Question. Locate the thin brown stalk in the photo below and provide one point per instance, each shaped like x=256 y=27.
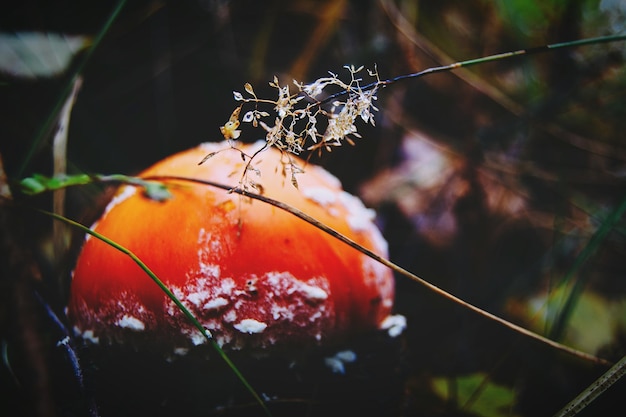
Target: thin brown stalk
x=396 y=268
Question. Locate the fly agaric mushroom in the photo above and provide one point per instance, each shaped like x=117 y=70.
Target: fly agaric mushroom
x=252 y=274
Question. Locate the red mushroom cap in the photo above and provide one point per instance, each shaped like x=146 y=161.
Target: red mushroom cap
x=254 y=275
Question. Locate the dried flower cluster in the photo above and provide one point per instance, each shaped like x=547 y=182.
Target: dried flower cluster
x=311 y=118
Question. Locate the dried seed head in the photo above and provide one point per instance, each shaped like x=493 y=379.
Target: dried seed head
x=296 y=115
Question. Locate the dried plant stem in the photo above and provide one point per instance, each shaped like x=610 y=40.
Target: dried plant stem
x=472 y=62
x=393 y=266
x=292 y=127
x=594 y=390
x=59 y=157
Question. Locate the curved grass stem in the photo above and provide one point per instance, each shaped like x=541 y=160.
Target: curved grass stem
x=205 y=332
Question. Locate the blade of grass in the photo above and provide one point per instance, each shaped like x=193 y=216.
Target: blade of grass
x=205 y=332
x=596 y=240
x=46 y=128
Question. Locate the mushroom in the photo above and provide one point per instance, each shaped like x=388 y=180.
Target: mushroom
x=253 y=274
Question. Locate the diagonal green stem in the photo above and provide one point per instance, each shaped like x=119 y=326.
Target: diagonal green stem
x=205 y=332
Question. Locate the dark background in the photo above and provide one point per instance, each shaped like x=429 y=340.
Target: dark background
x=533 y=166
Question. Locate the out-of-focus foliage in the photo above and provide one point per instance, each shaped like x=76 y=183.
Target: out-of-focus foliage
x=33 y=55
x=595 y=323
x=476 y=395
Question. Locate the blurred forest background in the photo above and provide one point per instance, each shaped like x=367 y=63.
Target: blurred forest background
x=503 y=184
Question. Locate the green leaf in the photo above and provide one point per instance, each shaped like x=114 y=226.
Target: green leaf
x=40 y=183
x=32 y=186
x=493 y=400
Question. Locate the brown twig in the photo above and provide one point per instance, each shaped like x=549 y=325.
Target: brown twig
x=396 y=268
